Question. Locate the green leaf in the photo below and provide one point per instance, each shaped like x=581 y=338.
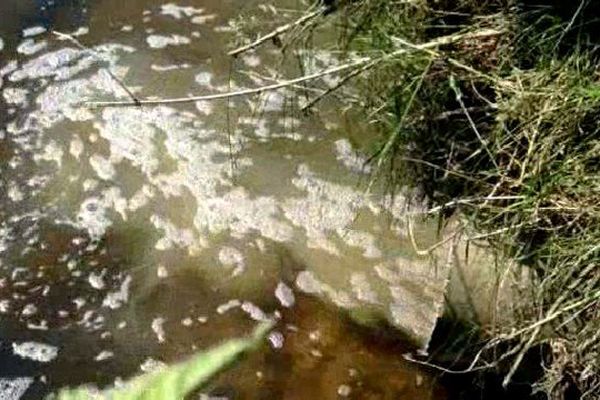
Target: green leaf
x=175 y=382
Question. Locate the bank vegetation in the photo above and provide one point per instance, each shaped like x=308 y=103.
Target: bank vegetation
x=490 y=110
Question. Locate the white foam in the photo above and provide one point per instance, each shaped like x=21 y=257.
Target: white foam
x=35 y=351
x=33 y=31
x=14 y=388
x=178 y=12
x=158 y=329
x=29 y=47
x=114 y=300
x=161 y=41
x=285 y=295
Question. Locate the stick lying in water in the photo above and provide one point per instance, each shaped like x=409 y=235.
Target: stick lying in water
x=244 y=92
x=361 y=62
x=282 y=29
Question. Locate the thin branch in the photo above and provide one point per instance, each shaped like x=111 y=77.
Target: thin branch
x=428 y=250
x=470 y=201
x=252 y=74
x=244 y=92
x=282 y=29
x=286 y=83
x=339 y=84
x=470 y=369
x=458 y=96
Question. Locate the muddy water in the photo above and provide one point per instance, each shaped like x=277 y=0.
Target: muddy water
x=131 y=237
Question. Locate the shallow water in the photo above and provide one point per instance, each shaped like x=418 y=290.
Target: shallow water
x=135 y=236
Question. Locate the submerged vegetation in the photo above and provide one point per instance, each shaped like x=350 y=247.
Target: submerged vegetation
x=491 y=110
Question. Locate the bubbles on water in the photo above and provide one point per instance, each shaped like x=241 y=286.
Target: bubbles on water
x=285 y=295
x=178 y=12
x=35 y=351
x=96 y=280
x=114 y=300
x=276 y=339
x=202 y=19
x=103 y=167
x=363 y=240
x=14 y=192
x=29 y=310
x=14 y=388
x=251 y=60
x=171 y=67
x=232 y=257
x=162 y=41
x=15 y=96
x=205 y=107
x=254 y=312
x=104 y=355
x=204 y=79
x=152 y=365
x=230 y=305
x=76 y=147
x=344 y=390
x=310 y=284
x=93 y=214
x=346 y=154
x=158 y=329
x=362 y=288
x=33 y=31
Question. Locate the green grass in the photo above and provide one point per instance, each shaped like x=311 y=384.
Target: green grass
x=177 y=381
x=504 y=131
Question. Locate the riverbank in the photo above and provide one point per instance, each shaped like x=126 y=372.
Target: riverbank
x=490 y=111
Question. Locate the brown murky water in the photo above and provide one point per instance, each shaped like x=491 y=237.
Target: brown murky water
x=135 y=236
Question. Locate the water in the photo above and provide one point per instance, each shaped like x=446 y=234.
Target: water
x=136 y=236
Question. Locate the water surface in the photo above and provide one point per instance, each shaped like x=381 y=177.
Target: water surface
x=131 y=237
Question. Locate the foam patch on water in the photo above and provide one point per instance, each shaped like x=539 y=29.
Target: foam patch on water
x=309 y=283
x=15 y=96
x=145 y=162
x=349 y=157
x=14 y=388
x=33 y=31
x=285 y=295
x=204 y=79
x=178 y=12
x=114 y=300
x=158 y=329
x=35 y=351
x=162 y=41
x=29 y=47
x=232 y=257
x=202 y=19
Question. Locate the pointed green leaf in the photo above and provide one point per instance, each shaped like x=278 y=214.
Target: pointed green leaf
x=175 y=382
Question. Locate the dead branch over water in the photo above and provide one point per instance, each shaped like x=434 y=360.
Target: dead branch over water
x=363 y=64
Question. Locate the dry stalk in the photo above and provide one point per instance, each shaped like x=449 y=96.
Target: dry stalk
x=372 y=61
x=278 y=31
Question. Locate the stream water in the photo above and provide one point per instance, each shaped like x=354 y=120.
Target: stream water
x=132 y=237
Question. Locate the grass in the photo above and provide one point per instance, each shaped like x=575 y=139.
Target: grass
x=505 y=132
x=497 y=120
